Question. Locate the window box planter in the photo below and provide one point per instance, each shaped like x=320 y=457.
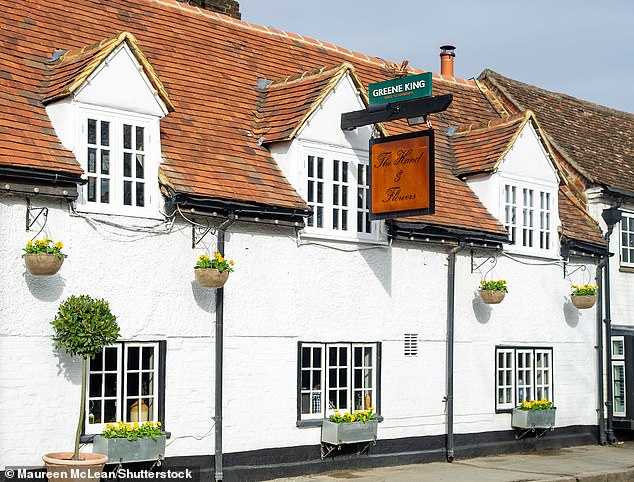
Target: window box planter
x=211 y=277
x=348 y=433
x=583 y=302
x=122 y=450
x=532 y=419
x=492 y=297
x=43 y=264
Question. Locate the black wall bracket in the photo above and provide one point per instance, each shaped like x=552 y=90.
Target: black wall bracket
x=417 y=108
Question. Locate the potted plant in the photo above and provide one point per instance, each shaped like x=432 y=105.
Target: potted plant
x=213 y=272
x=493 y=292
x=360 y=426
x=43 y=257
x=83 y=326
x=131 y=442
x=584 y=297
x=534 y=414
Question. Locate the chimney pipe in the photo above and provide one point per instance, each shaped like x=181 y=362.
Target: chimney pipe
x=447 y=55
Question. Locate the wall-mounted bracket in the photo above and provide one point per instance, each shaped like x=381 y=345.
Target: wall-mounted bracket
x=474 y=262
x=33 y=214
x=199 y=233
x=567 y=273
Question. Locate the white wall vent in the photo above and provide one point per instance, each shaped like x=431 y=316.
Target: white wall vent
x=410 y=346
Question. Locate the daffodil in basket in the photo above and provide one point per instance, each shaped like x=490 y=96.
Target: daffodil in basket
x=584 y=297
x=213 y=272
x=493 y=292
x=43 y=257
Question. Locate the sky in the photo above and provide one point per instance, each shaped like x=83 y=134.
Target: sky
x=582 y=48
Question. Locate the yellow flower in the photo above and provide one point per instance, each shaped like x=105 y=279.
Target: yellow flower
x=231 y=262
x=59 y=245
x=482 y=282
x=159 y=423
x=136 y=424
x=29 y=244
x=128 y=426
x=202 y=256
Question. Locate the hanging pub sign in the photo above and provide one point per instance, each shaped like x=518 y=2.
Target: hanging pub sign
x=402 y=175
x=401 y=89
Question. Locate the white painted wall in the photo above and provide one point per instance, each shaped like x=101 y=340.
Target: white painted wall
x=279 y=295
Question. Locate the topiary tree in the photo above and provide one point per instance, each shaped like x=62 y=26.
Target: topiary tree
x=84 y=326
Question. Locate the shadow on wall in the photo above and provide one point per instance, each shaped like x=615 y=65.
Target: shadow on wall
x=45 y=288
x=571 y=313
x=380 y=262
x=481 y=310
x=68 y=366
x=205 y=298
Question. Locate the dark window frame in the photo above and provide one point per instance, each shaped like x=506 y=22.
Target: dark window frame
x=162 y=358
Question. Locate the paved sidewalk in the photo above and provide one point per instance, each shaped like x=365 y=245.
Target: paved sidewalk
x=587 y=463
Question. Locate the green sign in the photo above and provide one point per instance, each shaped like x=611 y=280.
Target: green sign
x=397 y=90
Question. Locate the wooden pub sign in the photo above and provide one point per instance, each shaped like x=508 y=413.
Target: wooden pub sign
x=402 y=175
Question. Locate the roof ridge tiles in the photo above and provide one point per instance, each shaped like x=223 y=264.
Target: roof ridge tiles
x=307 y=40
x=487 y=73
x=495 y=123
x=307 y=75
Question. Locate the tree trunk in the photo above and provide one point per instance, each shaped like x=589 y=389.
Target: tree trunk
x=82 y=409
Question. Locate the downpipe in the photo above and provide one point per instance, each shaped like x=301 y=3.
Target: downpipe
x=608 y=340
x=451 y=294
x=599 y=348
x=219 y=368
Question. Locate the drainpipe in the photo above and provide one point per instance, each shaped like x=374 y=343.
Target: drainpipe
x=601 y=401
x=611 y=216
x=451 y=291
x=220 y=294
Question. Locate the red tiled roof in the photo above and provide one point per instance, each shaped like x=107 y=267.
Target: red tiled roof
x=285 y=105
x=597 y=140
x=481 y=147
x=209 y=64
x=74 y=67
x=575 y=220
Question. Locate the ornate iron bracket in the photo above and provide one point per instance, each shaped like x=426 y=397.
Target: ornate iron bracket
x=567 y=273
x=475 y=267
x=521 y=433
x=199 y=233
x=31 y=217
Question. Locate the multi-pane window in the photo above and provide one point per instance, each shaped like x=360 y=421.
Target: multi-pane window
x=337 y=376
x=332 y=182
x=510 y=211
x=532 y=228
x=627 y=240
x=522 y=374
x=123 y=384
x=618 y=375
x=117 y=164
x=98 y=161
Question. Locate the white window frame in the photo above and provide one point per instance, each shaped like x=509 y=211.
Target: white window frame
x=520 y=392
x=354 y=158
x=544 y=220
x=325 y=409
x=151 y=152
x=618 y=360
x=121 y=396
x=626 y=232
x=140 y=371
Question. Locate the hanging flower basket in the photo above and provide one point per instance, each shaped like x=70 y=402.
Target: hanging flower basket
x=211 y=277
x=212 y=273
x=584 y=297
x=43 y=257
x=583 y=302
x=493 y=292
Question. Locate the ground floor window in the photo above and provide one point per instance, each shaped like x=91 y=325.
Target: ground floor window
x=337 y=376
x=618 y=375
x=522 y=374
x=126 y=381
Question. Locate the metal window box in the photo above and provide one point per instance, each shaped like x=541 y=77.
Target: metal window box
x=348 y=433
x=532 y=419
x=122 y=450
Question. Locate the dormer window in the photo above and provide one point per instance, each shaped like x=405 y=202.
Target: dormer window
x=120 y=162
